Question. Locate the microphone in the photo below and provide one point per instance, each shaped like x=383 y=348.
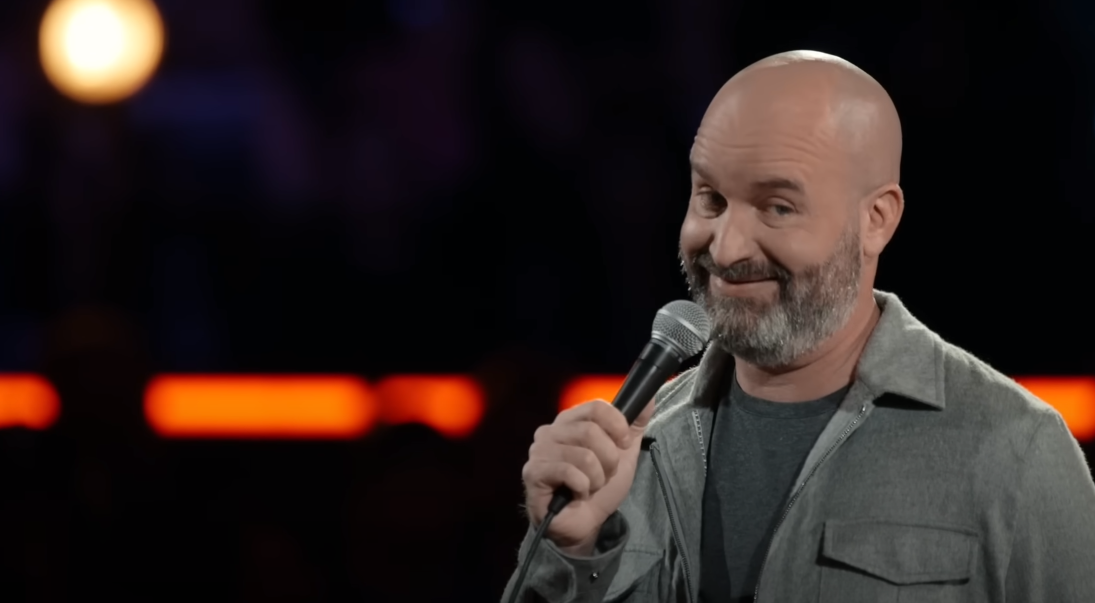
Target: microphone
x=681 y=330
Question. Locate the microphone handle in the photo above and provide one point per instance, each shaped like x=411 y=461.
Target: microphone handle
x=655 y=365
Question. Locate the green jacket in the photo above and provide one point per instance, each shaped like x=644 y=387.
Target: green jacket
x=938 y=479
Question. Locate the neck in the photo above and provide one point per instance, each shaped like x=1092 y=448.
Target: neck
x=820 y=373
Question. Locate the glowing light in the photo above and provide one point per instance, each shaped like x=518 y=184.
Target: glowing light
x=27 y=401
x=100 y=51
x=93 y=38
x=451 y=405
x=302 y=407
x=1073 y=397
x=592 y=387
x=260 y=407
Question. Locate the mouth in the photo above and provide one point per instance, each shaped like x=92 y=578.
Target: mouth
x=738 y=286
x=743 y=281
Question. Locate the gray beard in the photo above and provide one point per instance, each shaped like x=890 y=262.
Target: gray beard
x=811 y=306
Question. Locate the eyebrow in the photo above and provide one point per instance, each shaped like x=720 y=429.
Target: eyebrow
x=767 y=184
x=699 y=170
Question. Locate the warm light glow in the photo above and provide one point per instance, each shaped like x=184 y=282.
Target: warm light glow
x=345 y=407
x=594 y=387
x=27 y=401
x=100 y=51
x=451 y=405
x=260 y=406
x=1073 y=397
x=93 y=38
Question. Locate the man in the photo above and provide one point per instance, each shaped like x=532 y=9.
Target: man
x=829 y=447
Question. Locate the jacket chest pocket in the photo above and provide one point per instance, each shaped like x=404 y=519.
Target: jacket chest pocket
x=638 y=576
x=880 y=562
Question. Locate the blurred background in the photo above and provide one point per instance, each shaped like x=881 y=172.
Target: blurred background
x=440 y=187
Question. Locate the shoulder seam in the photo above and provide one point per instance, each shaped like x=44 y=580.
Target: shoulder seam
x=1038 y=427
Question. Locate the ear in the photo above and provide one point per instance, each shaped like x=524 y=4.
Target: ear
x=879 y=216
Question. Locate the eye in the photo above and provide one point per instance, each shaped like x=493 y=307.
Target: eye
x=781 y=209
x=710 y=201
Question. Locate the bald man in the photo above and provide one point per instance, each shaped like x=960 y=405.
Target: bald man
x=829 y=446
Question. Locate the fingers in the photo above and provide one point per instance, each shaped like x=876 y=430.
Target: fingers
x=644 y=417
x=582 y=449
x=607 y=417
x=587 y=435
x=584 y=459
x=552 y=474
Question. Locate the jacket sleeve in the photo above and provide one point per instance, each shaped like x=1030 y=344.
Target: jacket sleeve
x=1053 y=550
x=555 y=577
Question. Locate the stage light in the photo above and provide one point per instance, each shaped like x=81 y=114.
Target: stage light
x=593 y=387
x=27 y=401
x=268 y=406
x=100 y=51
x=1073 y=397
x=449 y=404
x=308 y=407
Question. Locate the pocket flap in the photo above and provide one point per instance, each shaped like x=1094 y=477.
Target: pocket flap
x=901 y=554
x=635 y=565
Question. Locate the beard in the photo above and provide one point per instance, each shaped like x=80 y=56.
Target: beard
x=810 y=307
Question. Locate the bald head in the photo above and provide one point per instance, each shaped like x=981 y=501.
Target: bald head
x=847 y=110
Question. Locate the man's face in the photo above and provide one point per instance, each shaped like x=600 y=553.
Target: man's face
x=770 y=243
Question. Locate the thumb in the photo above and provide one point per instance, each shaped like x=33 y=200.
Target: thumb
x=644 y=417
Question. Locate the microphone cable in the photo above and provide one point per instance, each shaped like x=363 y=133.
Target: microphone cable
x=558 y=502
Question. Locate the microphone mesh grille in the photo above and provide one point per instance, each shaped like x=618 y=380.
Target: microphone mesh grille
x=685 y=324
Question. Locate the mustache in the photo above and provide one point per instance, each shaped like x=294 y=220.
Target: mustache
x=742 y=271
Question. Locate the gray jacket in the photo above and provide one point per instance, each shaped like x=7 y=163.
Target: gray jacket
x=938 y=479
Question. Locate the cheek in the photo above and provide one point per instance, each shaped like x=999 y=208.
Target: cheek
x=791 y=250
x=696 y=234
x=806 y=247
x=798 y=251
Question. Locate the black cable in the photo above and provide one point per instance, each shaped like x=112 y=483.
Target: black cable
x=561 y=499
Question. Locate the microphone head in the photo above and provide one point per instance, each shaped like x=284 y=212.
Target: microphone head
x=684 y=326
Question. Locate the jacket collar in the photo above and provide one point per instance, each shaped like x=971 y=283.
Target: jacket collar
x=902 y=357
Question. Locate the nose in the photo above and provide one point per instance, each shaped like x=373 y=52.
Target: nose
x=734 y=238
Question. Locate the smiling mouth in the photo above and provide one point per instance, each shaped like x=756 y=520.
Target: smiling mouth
x=744 y=281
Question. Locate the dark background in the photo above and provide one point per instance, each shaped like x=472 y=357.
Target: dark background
x=418 y=186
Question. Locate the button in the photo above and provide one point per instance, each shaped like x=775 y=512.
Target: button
x=594 y=576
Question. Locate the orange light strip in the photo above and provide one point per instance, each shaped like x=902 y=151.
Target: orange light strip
x=1073 y=397
x=27 y=401
x=592 y=387
x=344 y=407
x=268 y=406
x=452 y=405
x=301 y=407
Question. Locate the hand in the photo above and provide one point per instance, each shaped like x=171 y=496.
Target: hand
x=591 y=450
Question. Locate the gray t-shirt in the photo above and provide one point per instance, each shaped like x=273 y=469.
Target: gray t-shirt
x=757 y=449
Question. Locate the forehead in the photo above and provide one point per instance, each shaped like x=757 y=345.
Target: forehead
x=748 y=136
